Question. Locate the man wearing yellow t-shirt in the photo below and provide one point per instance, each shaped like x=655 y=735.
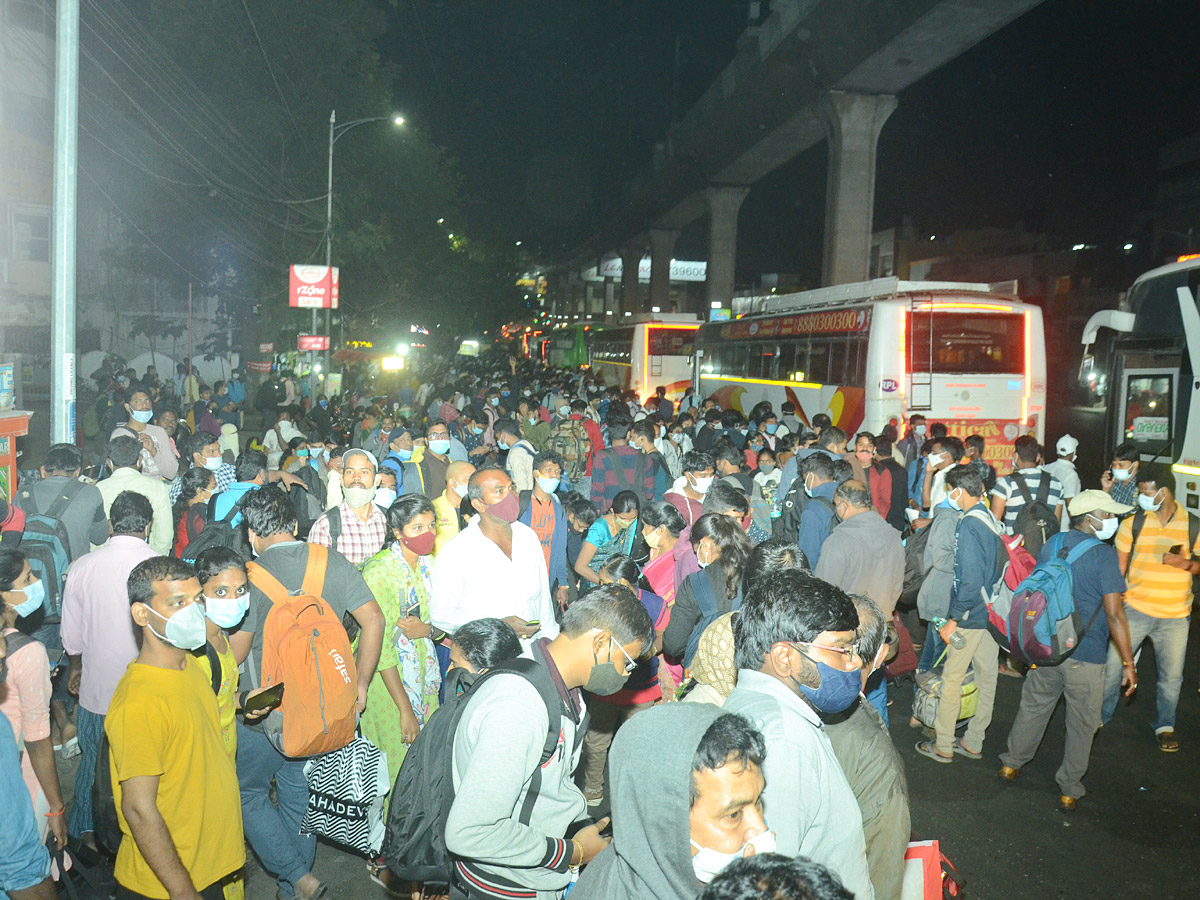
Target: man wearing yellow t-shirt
x=174 y=785
x=446 y=504
x=1158 y=600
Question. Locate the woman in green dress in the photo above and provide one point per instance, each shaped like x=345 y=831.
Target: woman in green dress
x=400 y=700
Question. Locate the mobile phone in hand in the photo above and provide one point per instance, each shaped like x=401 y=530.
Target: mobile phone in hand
x=268 y=699
x=1176 y=550
x=534 y=623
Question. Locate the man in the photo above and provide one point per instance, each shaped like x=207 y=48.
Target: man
x=816 y=522
x=251 y=473
x=728 y=463
x=376 y=427
x=157 y=458
x=446 y=505
x=620 y=467
x=642 y=438
x=1158 y=600
x=1063 y=469
x=914 y=438
x=1119 y=482
x=203 y=451
x=123 y=454
x=688 y=492
x=174 y=785
x=519 y=461
x=666 y=408
x=868 y=757
x=1007 y=496
x=276 y=440
x=98 y=636
x=794 y=649
x=400 y=446
x=708 y=431
x=534 y=429
x=543 y=512
x=975 y=447
x=864 y=555
x=1097 y=584
x=495 y=567
x=789 y=419
x=686 y=785
x=889 y=484
x=274 y=831
x=356 y=528
x=944 y=452
x=426 y=472
x=82 y=507
x=499 y=743
x=769 y=876
x=976 y=545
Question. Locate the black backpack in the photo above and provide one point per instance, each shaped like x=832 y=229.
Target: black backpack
x=220 y=532
x=1139 y=521
x=1036 y=521
x=46 y=542
x=309 y=504
x=414 y=844
x=914 y=564
x=787 y=524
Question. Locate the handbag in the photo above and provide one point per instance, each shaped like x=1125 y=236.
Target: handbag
x=928 y=874
x=346 y=793
x=903 y=658
x=929 y=694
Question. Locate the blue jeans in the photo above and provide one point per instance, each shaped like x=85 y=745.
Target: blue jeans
x=876 y=693
x=931 y=649
x=1169 y=637
x=91 y=729
x=274 y=831
x=24 y=861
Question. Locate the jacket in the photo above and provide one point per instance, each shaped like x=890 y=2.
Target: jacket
x=557 y=569
x=690 y=509
x=934 y=597
x=864 y=555
x=889 y=491
x=976 y=547
x=815 y=523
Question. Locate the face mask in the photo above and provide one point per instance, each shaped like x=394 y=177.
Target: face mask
x=461 y=490
x=704 y=563
x=772 y=427
x=225 y=611
x=303 y=451
x=1122 y=474
x=527 y=393
x=564 y=411
x=405 y=455
x=507 y=509
x=495 y=401
x=920 y=430
x=440 y=446
x=35 y=595
x=549 y=485
x=358 y=497
x=743 y=431
x=384 y=497
x=766 y=468
x=807 y=487
x=707 y=862
x=325 y=455
x=703 y=484
x=651 y=538
x=954 y=503
x=838 y=689
x=185 y=629
x=504 y=393
x=677 y=438
x=212 y=463
x=323 y=403
x=1148 y=504
x=604 y=680
x=1105 y=528
x=503 y=445
x=475 y=429
x=936 y=459
x=422 y=544
x=142 y=415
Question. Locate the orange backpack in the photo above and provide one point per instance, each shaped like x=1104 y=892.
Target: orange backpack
x=306 y=648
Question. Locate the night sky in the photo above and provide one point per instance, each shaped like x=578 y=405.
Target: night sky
x=1053 y=122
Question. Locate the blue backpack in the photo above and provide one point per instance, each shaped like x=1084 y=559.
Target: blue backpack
x=46 y=544
x=1041 y=626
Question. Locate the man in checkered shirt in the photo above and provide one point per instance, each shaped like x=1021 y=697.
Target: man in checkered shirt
x=359 y=527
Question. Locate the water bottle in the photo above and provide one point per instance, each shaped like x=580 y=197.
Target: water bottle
x=956 y=638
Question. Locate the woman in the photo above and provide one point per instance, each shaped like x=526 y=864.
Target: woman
x=641 y=691
x=478 y=646
x=25 y=694
x=767 y=477
x=721 y=548
x=226 y=592
x=612 y=533
x=662 y=524
x=400 y=699
x=197 y=486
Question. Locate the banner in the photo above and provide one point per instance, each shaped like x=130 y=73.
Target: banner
x=313 y=287
x=839 y=321
x=256 y=366
x=266 y=348
x=312 y=342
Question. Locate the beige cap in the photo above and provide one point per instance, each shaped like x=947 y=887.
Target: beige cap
x=1091 y=501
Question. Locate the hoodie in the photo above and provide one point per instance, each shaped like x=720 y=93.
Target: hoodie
x=651 y=770
x=690 y=509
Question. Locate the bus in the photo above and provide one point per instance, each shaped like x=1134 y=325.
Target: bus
x=1151 y=376
x=874 y=353
x=646 y=353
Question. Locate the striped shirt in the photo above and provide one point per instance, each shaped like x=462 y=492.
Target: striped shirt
x=1007 y=490
x=1153 y=588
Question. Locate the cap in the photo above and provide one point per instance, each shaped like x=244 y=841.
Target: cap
x=397 y=433
x=1066 y=445
x=1091 y=501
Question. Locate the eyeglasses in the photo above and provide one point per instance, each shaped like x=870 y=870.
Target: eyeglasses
x=846 y=652
x=632 y=661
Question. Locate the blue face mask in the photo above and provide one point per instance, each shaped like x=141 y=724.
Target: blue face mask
x=772 y=427
x=475 y=429
x=838 y=690
x=440 y=447
x=807 y=489
x=405 y=455
x=549 y=485
x=35 y=596
x=503 y=445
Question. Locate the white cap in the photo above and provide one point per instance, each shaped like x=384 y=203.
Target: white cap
x=1066 y=445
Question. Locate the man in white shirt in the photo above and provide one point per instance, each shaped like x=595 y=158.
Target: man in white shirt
x=494 y=567
x=1063 y=469
x=123 y=455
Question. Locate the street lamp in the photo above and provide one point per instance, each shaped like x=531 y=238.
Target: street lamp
x=335 y=132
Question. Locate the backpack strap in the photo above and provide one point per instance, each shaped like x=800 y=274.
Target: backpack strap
x=1081 y=548
x=214 y=665
x=334 y=515
x=70 y=492
x=1043 y=491
x=1139 y=522
x=15 y=642
x=526 y=500
x=314 y=570
x=538 y=676
x=1019 y=480
x=267 y=583
x=1193 y=532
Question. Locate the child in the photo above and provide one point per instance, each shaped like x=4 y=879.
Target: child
x=767 y=477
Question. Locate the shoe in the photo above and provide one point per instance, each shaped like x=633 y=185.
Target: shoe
x=1067 y=804
x=961 y=749
x=70 y=749
x=1167 y=742
x=925 y=748
x=593 y=798
x=1008 y=773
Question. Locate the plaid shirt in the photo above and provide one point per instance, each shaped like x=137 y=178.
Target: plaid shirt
x=607 y=481
x=225 y=477
x=359 y=540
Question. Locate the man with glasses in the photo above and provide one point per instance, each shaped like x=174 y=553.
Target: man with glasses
x=796 y=659
x=158 y=458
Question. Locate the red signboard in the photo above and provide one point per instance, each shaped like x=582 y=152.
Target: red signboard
x=266 y=348
x=313 y=287
x=998 y=435
x=312 y=342
x=256 y=366
x=838 y=321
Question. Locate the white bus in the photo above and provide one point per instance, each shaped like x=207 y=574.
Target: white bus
x=646 y=353
x=874 y=353
x=1153 y=388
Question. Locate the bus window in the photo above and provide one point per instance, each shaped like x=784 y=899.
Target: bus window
x=762 y=360
x=817 y=369
x=967 y=343
x=1148 y=411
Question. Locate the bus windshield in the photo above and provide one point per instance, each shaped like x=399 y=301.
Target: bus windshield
x=960 y=343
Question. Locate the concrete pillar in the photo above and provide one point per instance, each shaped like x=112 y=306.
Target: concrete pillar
x=852 y=124
x=631 y=259
x=589 y=297
x=610 y=299
x=723 y=205
x=662 y=247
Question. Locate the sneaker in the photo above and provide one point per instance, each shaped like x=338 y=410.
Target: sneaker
x=593 y=798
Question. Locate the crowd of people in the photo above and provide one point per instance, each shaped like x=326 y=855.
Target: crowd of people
x=706 y=603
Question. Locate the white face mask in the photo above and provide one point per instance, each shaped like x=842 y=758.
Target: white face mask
x=1105 y=528
x=212 y=463
x=384 y=497
x=226 y=611
x=707 y=862
x=703 y=484
x=936 y=459
x=1147 y=502
x=185 y=629
x=461 y=490
x=1122 y=474
x=358 y=497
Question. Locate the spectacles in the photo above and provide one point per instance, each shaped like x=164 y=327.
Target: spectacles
x=632 y=661
x=846 y=652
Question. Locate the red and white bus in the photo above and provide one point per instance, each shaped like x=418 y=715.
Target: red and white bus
x=645 y=354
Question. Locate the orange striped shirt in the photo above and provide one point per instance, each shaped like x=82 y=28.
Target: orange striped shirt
x=1155 y=589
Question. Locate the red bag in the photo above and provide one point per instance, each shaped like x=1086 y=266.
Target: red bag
x=905 y=660
x=928 y=875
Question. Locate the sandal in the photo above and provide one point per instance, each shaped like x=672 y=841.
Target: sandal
x=925 y=748
x=1167 y=742
x=961 y=749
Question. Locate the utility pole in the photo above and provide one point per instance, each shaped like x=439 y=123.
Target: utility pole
x=62 y=254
